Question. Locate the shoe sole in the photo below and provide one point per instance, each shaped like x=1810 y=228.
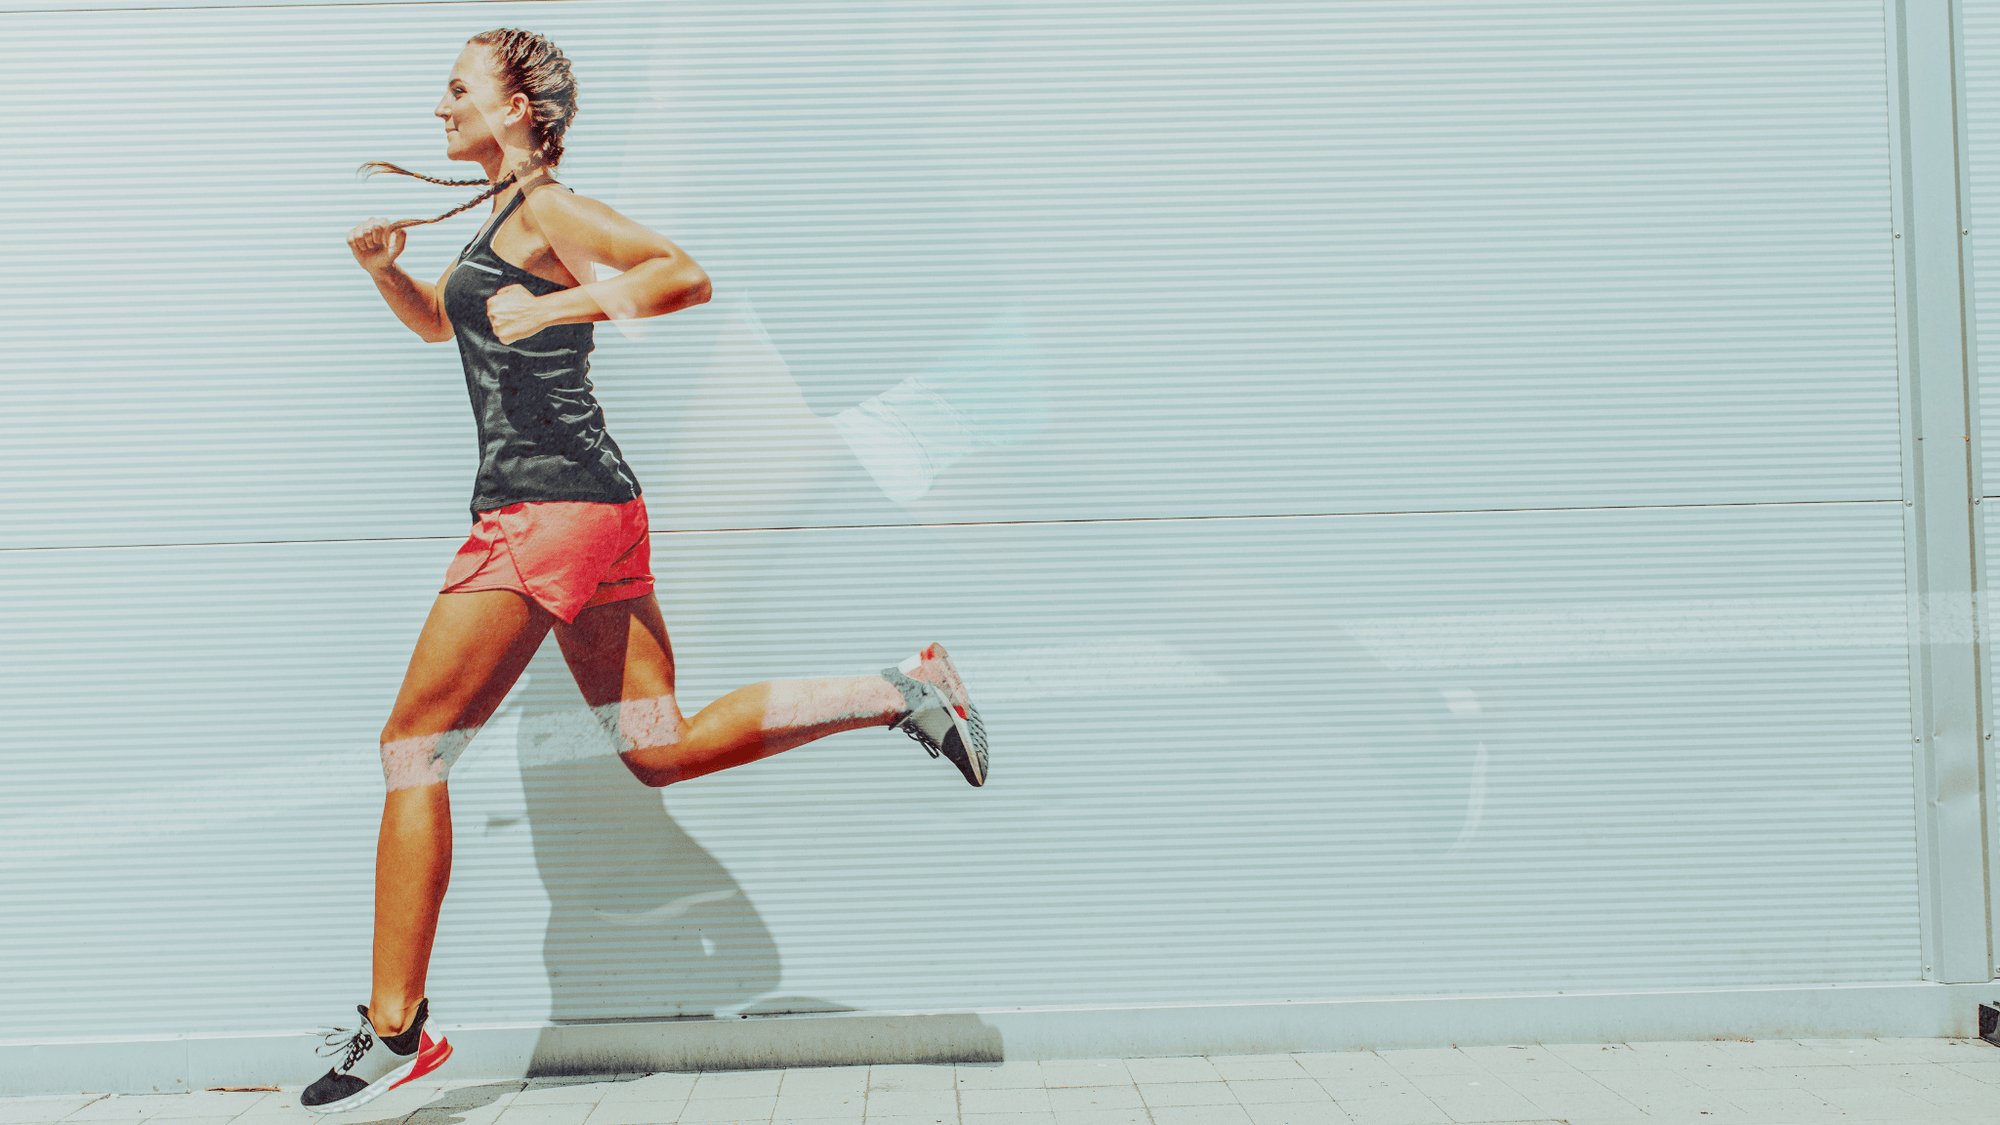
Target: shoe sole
x=962 y=735
x=427 y=1060
x=965 y=722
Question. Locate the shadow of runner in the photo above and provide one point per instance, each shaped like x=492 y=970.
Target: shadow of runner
x=643 y=922
x=451 y=1106
x=456 y=1106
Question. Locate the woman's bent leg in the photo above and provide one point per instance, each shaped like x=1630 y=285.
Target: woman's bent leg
x=764 y=719
x=624 y=665
x=472 y=649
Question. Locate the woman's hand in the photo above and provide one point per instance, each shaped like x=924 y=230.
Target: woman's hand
x=514 y=313
x=374 y=245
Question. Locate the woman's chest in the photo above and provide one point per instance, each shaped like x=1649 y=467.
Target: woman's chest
x=529 y=252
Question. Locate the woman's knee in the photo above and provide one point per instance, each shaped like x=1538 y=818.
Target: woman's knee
x=649 y=734
x=650 y=771
x=419 y=759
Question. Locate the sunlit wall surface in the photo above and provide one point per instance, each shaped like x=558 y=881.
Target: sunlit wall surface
x=1413 y=486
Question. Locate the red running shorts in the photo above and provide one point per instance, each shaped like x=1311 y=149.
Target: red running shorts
x=565 y=556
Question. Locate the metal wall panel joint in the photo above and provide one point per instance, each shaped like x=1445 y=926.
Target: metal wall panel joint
x=1944 y=544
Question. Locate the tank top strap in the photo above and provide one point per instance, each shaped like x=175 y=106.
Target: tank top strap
x=485 y=239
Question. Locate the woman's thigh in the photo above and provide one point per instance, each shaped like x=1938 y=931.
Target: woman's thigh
x=624 y=666
x=619 y=651
x=472 y=649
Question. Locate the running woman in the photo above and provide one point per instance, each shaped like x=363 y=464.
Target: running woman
x=559 y=539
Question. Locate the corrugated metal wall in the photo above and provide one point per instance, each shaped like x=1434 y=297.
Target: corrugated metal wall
x=1419 y=509
x=1275 y=260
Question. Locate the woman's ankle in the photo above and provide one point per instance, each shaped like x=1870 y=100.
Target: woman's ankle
x=392 y=1017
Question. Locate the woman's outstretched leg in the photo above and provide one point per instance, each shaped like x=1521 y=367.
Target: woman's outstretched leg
x=624 y=666
x=472 y=649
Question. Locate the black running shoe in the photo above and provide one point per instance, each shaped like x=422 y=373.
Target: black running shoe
x=942 y=718
x=372 y=1065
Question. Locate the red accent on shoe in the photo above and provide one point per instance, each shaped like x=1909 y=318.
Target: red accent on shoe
x=431 y=1054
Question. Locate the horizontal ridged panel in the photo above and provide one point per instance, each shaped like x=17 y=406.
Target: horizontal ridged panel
x=1234 y=760
x=1155 y=260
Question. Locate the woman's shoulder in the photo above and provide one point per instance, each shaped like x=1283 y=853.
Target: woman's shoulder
x=566 y=209
x=542 y=191
x=542 y=180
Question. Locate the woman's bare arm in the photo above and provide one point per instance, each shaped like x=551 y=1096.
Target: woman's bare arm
x=415 y=303
x=658 y=276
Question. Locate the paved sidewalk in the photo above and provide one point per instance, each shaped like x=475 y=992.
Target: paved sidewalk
x=1853 y=1081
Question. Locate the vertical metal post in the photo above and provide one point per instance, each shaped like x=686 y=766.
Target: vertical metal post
x=1930 y=236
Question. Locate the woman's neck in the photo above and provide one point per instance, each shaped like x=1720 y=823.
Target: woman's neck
x=517 y=162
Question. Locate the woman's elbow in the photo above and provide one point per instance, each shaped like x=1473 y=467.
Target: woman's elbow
x=698 y=290
x=435 y=329
x=679 y=285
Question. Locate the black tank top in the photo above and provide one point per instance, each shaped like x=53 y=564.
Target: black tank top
x=541 y=432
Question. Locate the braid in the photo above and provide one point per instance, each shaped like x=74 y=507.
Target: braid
x=374 y=167
x=489 y=193
x=377 y=167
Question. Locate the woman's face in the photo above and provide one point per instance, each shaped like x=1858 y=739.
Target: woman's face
x=475 y=108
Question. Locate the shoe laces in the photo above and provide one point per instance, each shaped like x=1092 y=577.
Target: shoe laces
x=918 y=695
x=916 y=735
x=355 y=1043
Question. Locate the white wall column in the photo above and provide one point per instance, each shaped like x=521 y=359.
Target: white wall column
x=1929 y=234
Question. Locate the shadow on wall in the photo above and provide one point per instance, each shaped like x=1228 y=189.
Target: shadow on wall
x=645 y=925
